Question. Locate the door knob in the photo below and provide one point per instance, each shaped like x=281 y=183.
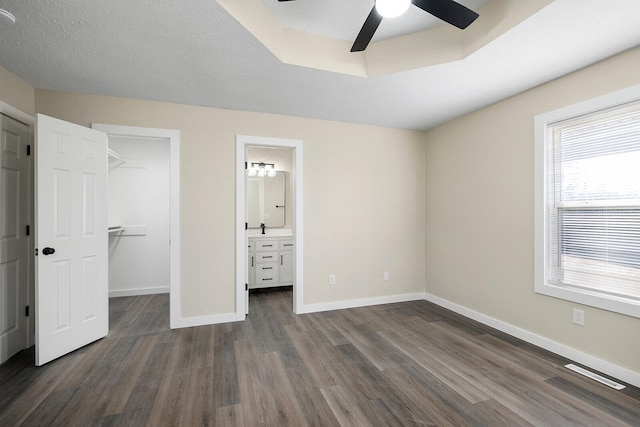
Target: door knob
x=48 y=251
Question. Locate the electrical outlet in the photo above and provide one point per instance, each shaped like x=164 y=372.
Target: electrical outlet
x=332 y=279
x=385 y=275
x=578 y=317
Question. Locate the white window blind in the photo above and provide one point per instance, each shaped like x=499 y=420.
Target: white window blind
x=593 y=201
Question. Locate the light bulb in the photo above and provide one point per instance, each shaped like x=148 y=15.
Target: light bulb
x=392 y=8
x=262 y=171
x=272 y=171
x=252 y=171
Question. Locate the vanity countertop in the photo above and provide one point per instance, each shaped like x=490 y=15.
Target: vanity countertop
x=287 y=232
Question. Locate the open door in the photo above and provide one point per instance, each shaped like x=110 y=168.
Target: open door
x=72 y=299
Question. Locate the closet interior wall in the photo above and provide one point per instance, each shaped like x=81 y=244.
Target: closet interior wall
x=138 y=216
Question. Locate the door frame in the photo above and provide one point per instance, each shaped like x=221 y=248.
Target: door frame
x=29 y=120
x=242 y=142
x=173 y=136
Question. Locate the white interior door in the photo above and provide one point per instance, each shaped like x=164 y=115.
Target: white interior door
x=14 y=214
x=72 y=300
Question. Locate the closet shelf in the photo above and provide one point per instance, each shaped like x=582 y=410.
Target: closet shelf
x=115 y=159
x=128 y=230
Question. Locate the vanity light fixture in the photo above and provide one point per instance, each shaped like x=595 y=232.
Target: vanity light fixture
x=262 y=169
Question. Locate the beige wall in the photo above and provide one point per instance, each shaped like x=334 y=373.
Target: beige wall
x=363 y=197
x=16 y=92
x=364 y=212
x=479 y=216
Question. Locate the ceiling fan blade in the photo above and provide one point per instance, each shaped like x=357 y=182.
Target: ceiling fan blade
x=449 y=11
x=367 y=31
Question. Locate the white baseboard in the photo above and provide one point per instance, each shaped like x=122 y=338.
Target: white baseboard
x=608 y=368
x=188 y=322
x=138 y=291
x=364 y=302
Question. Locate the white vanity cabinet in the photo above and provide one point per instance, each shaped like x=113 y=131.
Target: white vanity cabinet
x=270 y=261
x=286 y=260
x=252 y=262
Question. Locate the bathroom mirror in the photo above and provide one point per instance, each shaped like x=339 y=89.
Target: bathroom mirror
x=265 y=200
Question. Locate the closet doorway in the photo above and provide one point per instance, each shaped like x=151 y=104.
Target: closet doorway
x=289 y=232
x=143 y=213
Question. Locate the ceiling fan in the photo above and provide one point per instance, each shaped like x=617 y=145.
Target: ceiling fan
x=447 y=10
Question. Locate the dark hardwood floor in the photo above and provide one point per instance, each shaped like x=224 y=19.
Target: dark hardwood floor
x=411 y=364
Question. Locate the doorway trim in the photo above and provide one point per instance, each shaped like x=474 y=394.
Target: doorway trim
x=14 y=113
x=175 y=311
x=242 y=142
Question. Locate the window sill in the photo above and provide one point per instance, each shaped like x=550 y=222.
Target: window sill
x=626 y=306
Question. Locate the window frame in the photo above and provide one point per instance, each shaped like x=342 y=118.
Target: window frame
x=542 y=151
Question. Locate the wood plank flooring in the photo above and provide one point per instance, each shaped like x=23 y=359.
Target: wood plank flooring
x=405 y=364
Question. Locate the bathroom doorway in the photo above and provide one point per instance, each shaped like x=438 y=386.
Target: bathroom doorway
x=269 y=218
x=288 y=255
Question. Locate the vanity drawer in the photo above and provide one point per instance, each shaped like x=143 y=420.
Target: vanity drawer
x=267 y=273
x=286 y=245
x=266 y=245
x=266 y=257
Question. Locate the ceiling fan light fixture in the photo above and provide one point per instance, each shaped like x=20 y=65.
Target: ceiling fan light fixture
x=392 y=8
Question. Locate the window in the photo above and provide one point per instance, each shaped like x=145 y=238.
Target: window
x=587 y=229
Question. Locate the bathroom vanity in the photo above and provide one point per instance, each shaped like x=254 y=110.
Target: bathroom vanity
x=270 y=258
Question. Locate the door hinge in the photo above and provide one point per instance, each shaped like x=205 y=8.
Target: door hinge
x=246 y=165
x=28 y=230
x=28 y=150
x=36 y=251
x=246 y=225
x=26 y=311
x=246 y=286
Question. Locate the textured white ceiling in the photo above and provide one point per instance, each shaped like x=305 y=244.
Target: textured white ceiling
x=194 y=52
